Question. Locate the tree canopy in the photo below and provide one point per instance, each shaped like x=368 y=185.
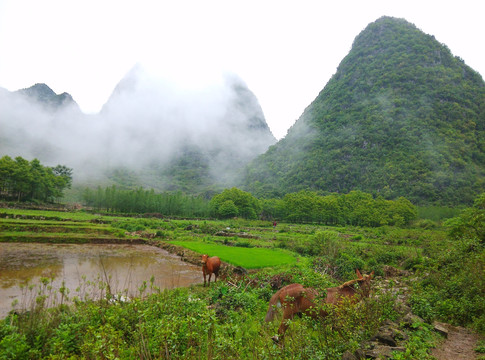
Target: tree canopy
x=355 y=208
x=24 y=180
x=235 y=202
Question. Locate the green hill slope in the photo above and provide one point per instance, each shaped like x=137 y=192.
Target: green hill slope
x=401 y=117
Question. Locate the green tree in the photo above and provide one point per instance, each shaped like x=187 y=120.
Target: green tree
x=7 y=167
x=227 y=209
x=471 y=222
x=300 y=206
x=21 y=178
x=24 y=180
x=63 y=179
x=246 y=204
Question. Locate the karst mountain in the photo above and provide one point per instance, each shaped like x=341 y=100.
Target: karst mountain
x=401 y=116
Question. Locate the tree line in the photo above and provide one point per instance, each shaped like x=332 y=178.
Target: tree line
x=24 y=180
x=355 y=208
x=140 y=201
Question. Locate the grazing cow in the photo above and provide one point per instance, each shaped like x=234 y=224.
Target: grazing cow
x=295 y=299
x=210 y=265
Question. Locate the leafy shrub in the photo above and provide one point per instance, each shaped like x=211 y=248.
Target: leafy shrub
x=325 y=243
x=425 y=224
x=346 y=265
x=14 y=346
x=480 y=347
x=235 y=202
x=471 y=222
x=161 y=234
x=131 y=225
x=206 y=228
x=420 y=340
x=422 y=307
x=227 y=210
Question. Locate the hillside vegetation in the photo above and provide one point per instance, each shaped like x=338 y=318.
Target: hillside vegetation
x=401 y=117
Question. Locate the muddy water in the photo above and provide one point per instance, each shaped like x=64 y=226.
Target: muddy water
x=86 y=270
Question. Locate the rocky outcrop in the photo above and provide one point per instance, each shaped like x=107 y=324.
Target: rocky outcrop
x=390 y=338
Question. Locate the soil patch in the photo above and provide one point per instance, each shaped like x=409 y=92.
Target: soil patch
x=459 y=345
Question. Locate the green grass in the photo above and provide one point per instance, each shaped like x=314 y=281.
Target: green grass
x=48 y=214
x=64 y=238
x=55 y=228
x=249 y=258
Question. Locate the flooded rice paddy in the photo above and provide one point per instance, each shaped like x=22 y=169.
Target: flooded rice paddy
x=87 y=271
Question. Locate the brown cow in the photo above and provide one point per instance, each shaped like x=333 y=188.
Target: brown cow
x=295 y=299
x=210 y=265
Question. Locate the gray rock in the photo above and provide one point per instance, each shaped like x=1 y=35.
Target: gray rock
x=348 y=356
x=409 y=319
x=359 y=354
x=386 y=339
x=440 y=328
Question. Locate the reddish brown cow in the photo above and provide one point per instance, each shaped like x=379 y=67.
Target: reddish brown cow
x=295 y=299
x=210 y=265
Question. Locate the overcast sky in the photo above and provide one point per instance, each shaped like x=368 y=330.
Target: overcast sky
x=285 y=51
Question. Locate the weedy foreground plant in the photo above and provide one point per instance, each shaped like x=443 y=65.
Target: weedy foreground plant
x=221 y=322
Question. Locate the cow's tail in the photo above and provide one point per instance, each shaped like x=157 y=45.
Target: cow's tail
x=273 y=304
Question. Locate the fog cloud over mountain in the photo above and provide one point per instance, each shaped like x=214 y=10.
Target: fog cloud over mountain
x=152 y=126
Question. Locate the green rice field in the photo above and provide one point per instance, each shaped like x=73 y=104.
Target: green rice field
x=250 y=258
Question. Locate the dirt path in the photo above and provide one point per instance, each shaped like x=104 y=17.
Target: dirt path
x=458 y=346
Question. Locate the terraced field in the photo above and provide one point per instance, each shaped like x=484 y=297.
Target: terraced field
x=236 y=243
x=40 y=229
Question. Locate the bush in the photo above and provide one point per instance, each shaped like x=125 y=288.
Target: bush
x=206 y=228
x=346 y=265
x=14 y=346
x=425 y=224
x=325 y=243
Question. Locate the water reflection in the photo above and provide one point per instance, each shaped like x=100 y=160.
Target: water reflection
x=81 y=267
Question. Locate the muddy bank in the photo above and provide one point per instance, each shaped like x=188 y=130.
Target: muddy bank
x=89 y=271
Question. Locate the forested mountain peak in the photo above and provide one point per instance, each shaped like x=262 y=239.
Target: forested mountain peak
x=401 y=117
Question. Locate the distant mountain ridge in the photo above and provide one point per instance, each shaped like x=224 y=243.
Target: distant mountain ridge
x=44 y=94
x=149 y=133
x=401 y=117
